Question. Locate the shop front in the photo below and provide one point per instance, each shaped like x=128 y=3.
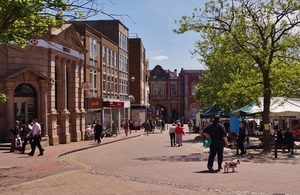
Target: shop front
x=93 y=107
x=114 y=113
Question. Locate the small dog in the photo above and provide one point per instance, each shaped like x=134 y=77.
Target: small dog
x=231 y=164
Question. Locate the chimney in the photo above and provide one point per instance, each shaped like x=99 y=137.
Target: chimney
x=175 y=72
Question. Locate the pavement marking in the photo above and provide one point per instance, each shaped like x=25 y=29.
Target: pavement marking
x=85 y=166
x=25 y=183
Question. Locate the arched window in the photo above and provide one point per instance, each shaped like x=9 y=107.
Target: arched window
x=24 y=90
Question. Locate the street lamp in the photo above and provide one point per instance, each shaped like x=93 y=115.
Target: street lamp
x=132 y=79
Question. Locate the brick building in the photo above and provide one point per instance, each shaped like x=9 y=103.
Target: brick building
x=107 y=70
x=138 y=86
x=172 y=94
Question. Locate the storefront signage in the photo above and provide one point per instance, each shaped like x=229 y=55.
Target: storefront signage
x=93 y=103
x=113 y=104
x=150 y=110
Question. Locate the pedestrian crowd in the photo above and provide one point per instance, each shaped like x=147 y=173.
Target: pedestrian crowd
x=31 y=133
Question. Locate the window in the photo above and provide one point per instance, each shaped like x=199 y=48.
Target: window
x=115 y=59
x=93 y=52
x=116 y=85
x=104 y=55
x=93 y=81
x=158 y=89
x=112 y=58
x=108 y=84
x=104 y=83
x=173 y=89
x=108 y=56
x=193 y=85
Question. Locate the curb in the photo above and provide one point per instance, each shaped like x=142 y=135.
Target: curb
x=89 y=147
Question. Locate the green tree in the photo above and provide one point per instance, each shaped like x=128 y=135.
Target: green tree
x=22 y=20
x=256 y=42
x=3 y=97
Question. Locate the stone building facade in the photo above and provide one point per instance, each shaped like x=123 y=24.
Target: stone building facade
x=43 y=80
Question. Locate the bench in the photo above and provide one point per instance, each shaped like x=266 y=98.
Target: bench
x=287 y=143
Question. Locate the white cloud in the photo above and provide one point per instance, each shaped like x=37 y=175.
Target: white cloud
x=160 y=58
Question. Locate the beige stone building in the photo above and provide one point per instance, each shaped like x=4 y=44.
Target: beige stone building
x=44 y=80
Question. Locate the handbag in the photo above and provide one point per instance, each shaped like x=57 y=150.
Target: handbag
x=207 y=142
x=18 y=142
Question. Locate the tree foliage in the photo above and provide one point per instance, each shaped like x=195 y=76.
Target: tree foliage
x=22 y=20
x=251 y=49
x=3 y=98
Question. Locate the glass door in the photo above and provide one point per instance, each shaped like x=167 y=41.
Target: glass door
x=24 y=109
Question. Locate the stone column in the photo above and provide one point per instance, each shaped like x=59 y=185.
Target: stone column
x=81 y=97
x=10 y=115
x=43 y=109
x=52 y=112
x=74 y=102
x=64 y=134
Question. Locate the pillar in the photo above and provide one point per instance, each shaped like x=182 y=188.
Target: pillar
x=64 y=134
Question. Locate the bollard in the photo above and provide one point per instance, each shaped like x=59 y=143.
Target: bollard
x=237 y=145
x=293 y=142
x=275 y=143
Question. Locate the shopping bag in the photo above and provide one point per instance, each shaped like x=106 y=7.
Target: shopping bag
x=207 y=142
x=18 y=142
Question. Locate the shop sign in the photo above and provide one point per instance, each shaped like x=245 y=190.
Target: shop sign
x=113 y=104
x=93 y=103
x=150 y=110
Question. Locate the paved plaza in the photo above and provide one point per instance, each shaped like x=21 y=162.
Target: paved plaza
x=180 y=170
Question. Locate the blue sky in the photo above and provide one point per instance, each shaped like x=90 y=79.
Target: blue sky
x=153 y=22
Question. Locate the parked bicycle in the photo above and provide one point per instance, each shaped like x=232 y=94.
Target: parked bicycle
x=110 y=133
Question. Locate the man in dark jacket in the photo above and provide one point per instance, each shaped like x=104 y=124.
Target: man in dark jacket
x=241 y=138
x=218 y=135
x=98 y=129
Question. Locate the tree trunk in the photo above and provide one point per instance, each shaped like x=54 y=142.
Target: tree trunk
x=266 y=114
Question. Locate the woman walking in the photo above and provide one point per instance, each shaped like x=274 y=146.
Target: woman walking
x=125 y=127
x=179 y=133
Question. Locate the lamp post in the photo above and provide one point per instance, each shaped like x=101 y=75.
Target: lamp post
x=132 y=79
x=131 y=97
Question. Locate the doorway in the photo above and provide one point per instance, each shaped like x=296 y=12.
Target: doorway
x=24 y=103
x=24 y=109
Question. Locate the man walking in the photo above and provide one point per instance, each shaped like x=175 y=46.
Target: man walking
x=98 y=129
x=36 y=134
x=27 y=136
x=218 y=135
x=172 y=134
